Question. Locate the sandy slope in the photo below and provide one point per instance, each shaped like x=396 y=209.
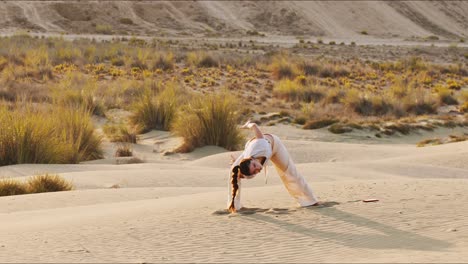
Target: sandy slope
x=336 y=19
x=172 y=210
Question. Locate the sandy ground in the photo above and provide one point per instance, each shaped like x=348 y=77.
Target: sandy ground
x=171 y=208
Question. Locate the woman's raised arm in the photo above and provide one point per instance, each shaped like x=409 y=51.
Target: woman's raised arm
x=254 y=127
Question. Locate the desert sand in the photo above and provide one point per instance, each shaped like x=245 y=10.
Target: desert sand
x=172 y=207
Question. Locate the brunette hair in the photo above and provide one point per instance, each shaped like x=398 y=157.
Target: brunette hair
x=243 y=169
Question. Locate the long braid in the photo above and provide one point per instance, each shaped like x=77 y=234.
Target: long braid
x=235 y=187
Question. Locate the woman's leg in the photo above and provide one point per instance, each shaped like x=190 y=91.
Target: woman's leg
x=292 y=179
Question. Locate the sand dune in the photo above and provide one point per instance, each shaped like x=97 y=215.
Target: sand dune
x=174 y=211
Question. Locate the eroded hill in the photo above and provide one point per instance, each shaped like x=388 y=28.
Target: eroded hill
x=348 y=19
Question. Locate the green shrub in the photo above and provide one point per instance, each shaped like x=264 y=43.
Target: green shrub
x=48 y=183
x=12 y=187
x=209 y=120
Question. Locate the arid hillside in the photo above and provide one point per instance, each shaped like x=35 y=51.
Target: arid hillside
x=349 y=19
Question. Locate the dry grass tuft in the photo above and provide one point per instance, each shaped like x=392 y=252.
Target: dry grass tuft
x=120 y=133
x=124 y=150
x=157 y=111
x=12 y=187
x=35 y=184
x=209 y=120
x=48 y=183
x=51 y=135
x=281 y=68
x=316 y=124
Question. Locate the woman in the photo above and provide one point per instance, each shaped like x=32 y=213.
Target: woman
x=256 y=153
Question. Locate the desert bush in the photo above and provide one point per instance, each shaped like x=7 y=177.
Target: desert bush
x=399 y=88
x=77 y=131
x=402 y=128
x=333 y=96
x=366 y=105
x=124 y=149
x=309 y=68
x=116 y=61
x=414 y=64
x=48 y=183
x=464 y=107
x=420 y=102
x=296 y=91
x=282 y=68
x=300 y=120
x=12 y=187
x=119 y=133
x=332 y=71
x=320 y=123
x=157 y=111
x=164 y=61
x=55 y=134
x=77 y=90
x=126 y=21
x=324 y=69
x=66 y=54
x=209 y=120
x=445 y=96
x=202 y=60
x=104 y=29
x=28 y=137
x=340 y=128
x=453 y=84
x=432 y=141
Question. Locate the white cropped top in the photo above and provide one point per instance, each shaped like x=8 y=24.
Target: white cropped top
x=257 y=147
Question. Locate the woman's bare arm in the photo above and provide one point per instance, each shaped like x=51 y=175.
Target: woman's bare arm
x=255 y=129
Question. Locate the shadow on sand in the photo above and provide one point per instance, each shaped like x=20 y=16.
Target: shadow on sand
x=388 y=237
x=254 y=210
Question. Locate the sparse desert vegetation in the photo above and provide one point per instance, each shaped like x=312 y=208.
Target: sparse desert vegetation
x=34 y=184
x=56 y=86
x=136 y=106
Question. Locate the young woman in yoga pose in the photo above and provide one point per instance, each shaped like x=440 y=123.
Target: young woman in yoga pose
x=256 y=153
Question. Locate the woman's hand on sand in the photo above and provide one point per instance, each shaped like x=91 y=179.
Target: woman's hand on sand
x=248 y=125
